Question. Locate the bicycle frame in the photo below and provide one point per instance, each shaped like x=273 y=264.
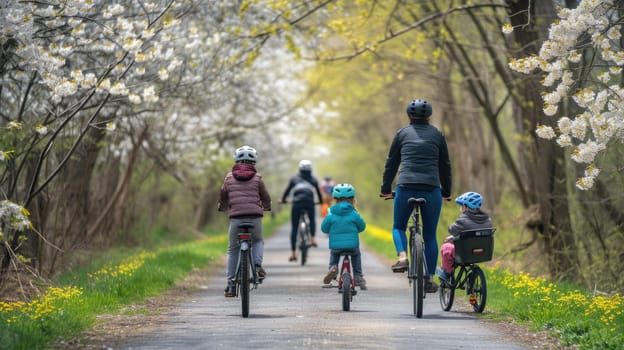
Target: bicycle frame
x=346 y=279
x=303 y=236
x=417 y=266
x=246 y=277
x=346 y=267
x=244 y=239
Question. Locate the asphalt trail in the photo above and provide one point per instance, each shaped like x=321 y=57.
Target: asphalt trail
x=290 y=310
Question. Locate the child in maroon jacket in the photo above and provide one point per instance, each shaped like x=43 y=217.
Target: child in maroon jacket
x=245 y=197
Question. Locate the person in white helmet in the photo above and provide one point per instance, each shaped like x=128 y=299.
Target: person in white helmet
x=302 y=187
x=245 y=197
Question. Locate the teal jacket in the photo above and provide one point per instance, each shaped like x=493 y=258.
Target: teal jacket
x=343 y=224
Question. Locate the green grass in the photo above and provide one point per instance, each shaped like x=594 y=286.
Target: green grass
x=574 y=316
x=130 y=277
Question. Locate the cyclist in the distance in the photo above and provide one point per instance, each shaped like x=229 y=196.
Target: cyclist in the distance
x=303 y=187
x=327 y=186
x=420 y=154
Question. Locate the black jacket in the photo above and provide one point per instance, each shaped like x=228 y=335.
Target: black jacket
x=303 y=187
x=421 y=152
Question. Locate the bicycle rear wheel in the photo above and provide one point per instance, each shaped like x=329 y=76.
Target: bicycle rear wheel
x=303 y=242
x=418 y=285
x=447 y=293
x=346 y=291
x=244 y=281
x=477 y=289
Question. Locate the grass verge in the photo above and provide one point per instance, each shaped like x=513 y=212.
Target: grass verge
x=71 y=307
x=574 y=316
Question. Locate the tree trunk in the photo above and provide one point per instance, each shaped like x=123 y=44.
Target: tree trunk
x=545 y=160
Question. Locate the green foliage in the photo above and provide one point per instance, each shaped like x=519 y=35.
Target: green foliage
x=68 y=310
x=116 y=279
x=575 y=316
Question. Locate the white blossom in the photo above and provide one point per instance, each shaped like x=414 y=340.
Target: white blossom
x=41 y=130
x=545 y=132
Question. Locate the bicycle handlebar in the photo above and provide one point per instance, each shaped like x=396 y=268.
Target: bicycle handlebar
x=391 y=196
x=290 y=202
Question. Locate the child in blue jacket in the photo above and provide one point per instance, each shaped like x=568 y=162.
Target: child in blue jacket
x=343 y=224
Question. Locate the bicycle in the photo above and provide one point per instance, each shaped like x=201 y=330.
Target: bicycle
x=471 y=247
x=246 y=278
x=304 y=237
x=417 y=268
x=417 y=265
x=346 y=279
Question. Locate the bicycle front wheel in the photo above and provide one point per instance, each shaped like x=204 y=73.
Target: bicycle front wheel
x=477 y=289
x=244 y=281
x=447 y=293
x=418 y=286
x=346 y=292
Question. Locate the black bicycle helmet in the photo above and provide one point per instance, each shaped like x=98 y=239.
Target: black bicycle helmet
x=419 y=109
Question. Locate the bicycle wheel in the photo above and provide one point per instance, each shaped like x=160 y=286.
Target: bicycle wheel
x=244 y=281
x=303 y=242
x=477 y=289
x=447 y=293
x=346 y=291
x=419 y=286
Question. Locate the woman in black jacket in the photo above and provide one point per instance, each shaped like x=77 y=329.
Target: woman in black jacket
x=419 y=150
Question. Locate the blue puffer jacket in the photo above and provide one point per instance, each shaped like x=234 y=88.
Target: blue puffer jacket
x=343 y=225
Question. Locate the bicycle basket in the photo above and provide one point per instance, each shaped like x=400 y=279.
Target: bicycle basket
x=474 y=246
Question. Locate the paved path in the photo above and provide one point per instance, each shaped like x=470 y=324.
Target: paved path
x=291 y=310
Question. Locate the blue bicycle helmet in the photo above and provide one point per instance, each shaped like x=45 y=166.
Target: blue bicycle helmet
x=419 y=109
x=472 y=200
x=343 y=191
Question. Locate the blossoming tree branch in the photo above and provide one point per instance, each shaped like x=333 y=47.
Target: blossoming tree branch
x=593 y=25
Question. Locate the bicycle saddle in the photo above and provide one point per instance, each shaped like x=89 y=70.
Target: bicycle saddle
x=417 y=200
x=246 y=225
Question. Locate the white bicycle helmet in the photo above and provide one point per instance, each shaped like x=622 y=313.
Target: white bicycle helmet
x=305 y=165
x=246 y=153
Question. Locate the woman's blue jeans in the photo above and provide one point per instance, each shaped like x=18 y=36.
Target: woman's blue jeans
x=430 y=215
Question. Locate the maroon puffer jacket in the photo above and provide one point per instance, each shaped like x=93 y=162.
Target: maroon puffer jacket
x=243 y=193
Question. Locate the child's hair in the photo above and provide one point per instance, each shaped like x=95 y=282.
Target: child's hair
x=350 y=200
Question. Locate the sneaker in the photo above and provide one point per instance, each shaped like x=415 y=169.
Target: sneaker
x=430 y=285
x=443 y=275
x=360 y=282
x=230 y=291
x=331 y=274
x=400 y=266
x=261 y=273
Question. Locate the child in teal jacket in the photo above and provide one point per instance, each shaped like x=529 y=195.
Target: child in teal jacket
x=343 y=224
